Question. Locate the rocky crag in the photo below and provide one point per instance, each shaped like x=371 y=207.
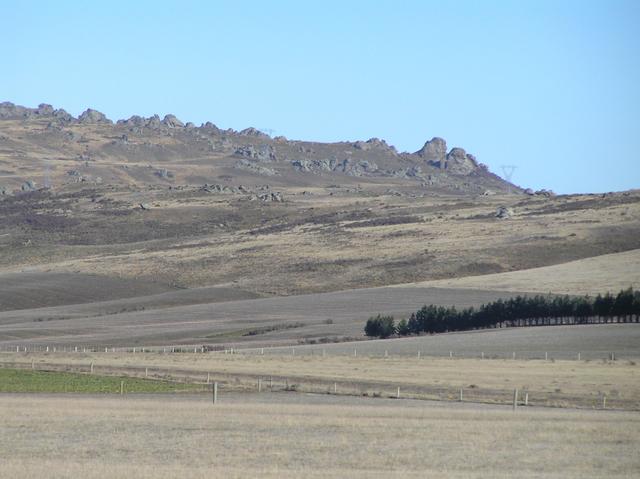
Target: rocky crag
x=54 y=147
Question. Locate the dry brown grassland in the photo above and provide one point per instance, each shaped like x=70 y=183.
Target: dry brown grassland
x=61 y=437
x=556 y=383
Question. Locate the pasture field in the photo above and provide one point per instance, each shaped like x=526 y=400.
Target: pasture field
x=25 y=381
x=595 y=341
x=553 y=382
x=276 y=435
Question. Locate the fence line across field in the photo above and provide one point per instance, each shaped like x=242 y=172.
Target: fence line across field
x=548 y=355
x=249 y=382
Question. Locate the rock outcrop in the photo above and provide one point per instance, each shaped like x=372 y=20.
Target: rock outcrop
x=172 y=122
x=347 y=166
x=260 y=153
x=458 y=161
x=504 y=212
x=90 y=116
x=28 y=185
x=434 y=152
x=253 y=132
x=138 y=138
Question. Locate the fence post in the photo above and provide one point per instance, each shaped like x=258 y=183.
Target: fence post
x=271 y=383
x=33 y=366
x=215 y=392
x=262 y=351
x=335 y=388
x=355 y=353
x=515 y=399
x=259 y=385
x=482 y=355
x=91 y=368
x=450 y=354
x=514 y=355
x=526 y=399
x=398 y=393
x=546 y=356
x=146 y=372
x=578 y=356
x=460 y=394
x=604 y=401
x=121 y=388
x=418 y=354
x=208 y=378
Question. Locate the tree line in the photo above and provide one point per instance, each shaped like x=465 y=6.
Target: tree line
x=519 y=311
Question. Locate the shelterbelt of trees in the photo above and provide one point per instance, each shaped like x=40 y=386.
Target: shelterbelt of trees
x=515 y=312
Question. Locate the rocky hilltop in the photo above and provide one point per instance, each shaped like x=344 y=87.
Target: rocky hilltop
x=92 y=203
x=53 y=148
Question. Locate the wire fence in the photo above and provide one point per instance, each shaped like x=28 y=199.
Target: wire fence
x=361 y=348
x=247 y=382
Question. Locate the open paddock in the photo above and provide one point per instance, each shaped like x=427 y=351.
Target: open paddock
x=559 y=383
x=275 y=435
x=594 y=341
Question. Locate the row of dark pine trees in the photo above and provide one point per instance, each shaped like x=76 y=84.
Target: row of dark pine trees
x=514 y=312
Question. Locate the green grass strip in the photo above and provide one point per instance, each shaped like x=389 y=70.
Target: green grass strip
x=27 y=381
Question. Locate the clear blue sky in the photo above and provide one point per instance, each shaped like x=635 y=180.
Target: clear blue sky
x=549 y=86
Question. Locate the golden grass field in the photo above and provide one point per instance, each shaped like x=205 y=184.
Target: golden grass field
x=557 y=383
x=592 y=276
x=271 y=436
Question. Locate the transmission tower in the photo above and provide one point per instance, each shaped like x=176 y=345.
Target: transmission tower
x=508 y=171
